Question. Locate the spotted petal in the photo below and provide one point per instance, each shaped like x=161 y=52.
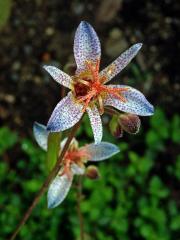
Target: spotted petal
x=86 y=45
x=58 y=190
x=101 y=151
x=60 y=186
x=59 y=76
x=65 y=115
x=136 y=103
x=121 y=62
x=96 y=123
x=41 y=135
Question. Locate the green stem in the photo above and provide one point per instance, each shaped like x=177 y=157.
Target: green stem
x=79 y=200
x=48 y=180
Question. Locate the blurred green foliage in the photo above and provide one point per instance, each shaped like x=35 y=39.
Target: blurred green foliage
x=5 y=10
x=135 y=198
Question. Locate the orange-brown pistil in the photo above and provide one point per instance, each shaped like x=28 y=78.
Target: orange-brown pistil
x=89 y=87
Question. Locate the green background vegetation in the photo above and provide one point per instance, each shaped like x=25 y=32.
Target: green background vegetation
x=131 y=200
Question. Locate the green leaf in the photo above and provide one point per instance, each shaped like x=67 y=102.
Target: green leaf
x=175 y=224
x=154 y=141
x=160 y=124
x=7 y=139
x=176 y=129
x=53 y=149
x=157 y=188
x=87 y=126
x=5 y=10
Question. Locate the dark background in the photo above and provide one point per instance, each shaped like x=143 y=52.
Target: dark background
x=137 y=196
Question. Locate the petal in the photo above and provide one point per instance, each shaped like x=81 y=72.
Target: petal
x=77 y=169
x=73 y=143
x=58 y=190
x=121 y=62
x=101 y=151
x=59 y=76
x=136 y=102
x=41 y=135
x=96 y=123
x=86 y=45
x=65 y=115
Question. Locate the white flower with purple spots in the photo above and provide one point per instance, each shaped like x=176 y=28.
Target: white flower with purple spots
x=88 y=90
x=73 y=162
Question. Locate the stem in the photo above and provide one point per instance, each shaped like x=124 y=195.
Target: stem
x=80 y=215
x=50 y=177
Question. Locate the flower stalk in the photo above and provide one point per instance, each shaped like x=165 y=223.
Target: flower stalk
x=79 y=212
x=48 y=180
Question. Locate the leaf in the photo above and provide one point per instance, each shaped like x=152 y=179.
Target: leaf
x=53 y=149
x=5 y=11
x=160 y=124
x=176 y=129
x=157 y=188
x=7 y=139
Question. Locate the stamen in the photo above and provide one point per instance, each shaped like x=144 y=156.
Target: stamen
x=103 y=79
x=101 y=106
x=84 y=82
x=97 y=66
x=111 y=69
x=121 y=98
x=94 y=70
x=116 y=92
x=87 y=103
x=66 y=169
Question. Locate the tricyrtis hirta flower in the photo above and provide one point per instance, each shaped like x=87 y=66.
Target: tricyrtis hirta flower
x=72 y=164
x=88 y=90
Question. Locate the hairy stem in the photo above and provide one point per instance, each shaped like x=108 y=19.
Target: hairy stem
x=48 y=180
x=80 y=215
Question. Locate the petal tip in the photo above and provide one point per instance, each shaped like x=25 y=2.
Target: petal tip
x=45 y=67
x=36 y=126
x=138 y=46
x=51 y=204
x=151 y=110
x=85 y=27
x=116 y=149
x=84 y=24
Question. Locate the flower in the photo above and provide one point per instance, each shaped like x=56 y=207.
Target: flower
x=73 y=162
x=88 y=90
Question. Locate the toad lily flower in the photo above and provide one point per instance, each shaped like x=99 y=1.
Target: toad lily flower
x=72 y=164
x=88 y=90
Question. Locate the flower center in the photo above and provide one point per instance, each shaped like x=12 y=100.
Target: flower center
x=88 y=87
x=77 y=156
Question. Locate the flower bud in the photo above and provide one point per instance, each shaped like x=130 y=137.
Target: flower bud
x=130 y=123
x=92 y=172
x=115 y=128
